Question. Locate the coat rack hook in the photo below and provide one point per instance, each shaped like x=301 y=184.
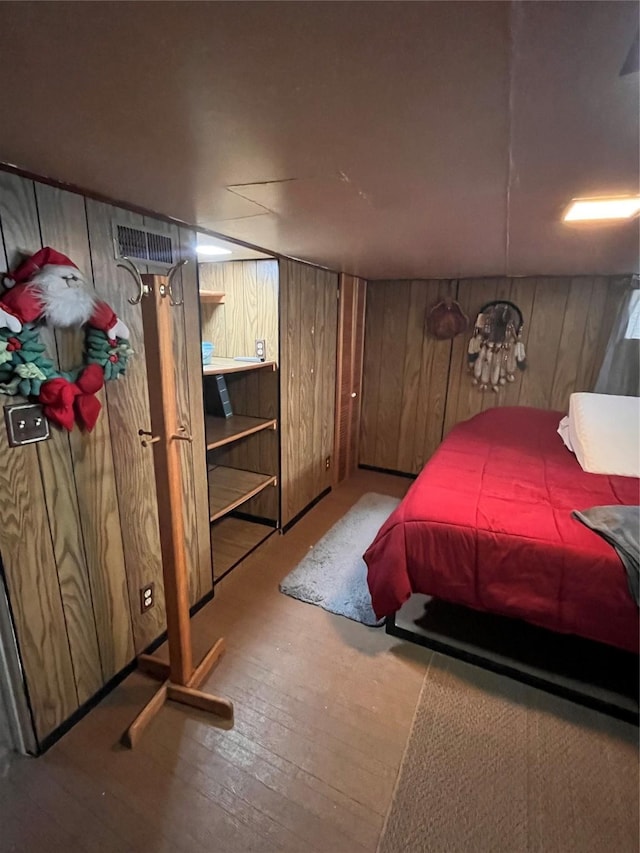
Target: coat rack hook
x=152 y=439
x=128 y=265
x=170 y=276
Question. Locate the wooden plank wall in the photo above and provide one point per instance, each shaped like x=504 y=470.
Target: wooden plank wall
x=250 y=309
x=415 y=388
x=308 y=332
x=404 y=375
x=80 y=530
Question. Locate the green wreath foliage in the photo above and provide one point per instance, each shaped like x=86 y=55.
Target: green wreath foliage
x=24 y=364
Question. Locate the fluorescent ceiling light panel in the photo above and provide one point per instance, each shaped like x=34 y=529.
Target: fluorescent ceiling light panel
x=585 y=209
x=208 y=250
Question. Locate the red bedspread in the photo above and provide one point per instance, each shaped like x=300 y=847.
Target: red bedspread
x=488 y=524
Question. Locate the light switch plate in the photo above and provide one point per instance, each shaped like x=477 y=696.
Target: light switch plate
x=26 y=424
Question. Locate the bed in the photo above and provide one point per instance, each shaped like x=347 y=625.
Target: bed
x=488 y=525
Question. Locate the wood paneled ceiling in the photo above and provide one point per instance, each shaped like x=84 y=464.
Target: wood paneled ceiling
x=387 y=139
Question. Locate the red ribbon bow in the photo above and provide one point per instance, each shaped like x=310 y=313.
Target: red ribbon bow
x=68 y=402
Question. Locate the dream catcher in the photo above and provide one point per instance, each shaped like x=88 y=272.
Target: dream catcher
x=496 y=350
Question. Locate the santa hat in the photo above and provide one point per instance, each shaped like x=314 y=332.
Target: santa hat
x=29 y=268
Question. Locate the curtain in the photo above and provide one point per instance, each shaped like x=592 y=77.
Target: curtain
x=620 y=371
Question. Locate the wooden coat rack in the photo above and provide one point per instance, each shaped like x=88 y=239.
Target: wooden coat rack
x=180 y=679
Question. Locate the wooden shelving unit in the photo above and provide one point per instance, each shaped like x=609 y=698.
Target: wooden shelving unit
x=210 y=297
x=220 y=431
x=223 y=366
x=231 y=487
x=243 y=463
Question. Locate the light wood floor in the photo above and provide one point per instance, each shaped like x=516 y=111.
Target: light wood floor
x=323 y=711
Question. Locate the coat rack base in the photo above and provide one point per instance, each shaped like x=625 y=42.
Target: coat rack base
x=185 y=694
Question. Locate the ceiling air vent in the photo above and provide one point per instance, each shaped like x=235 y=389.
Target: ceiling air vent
x=141 y=244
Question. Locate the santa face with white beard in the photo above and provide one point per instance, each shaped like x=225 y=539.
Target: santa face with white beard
x=49 y=286
x=64 y=296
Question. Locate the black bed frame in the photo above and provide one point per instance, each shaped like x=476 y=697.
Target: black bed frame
x=484 y=660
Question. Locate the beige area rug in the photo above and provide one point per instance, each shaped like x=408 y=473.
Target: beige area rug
x=493 y=765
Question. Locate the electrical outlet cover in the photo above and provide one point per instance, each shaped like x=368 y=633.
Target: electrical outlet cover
x=26 y=424
x=147 y=597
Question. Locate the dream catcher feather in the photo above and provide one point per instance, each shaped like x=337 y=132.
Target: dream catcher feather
x=496 y=350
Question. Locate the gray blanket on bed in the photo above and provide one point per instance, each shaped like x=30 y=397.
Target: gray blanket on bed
x=620 y=526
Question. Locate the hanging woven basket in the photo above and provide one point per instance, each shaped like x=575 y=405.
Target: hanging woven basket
x=446 y=320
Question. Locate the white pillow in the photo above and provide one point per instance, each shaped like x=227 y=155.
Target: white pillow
x=563 y=432
x=604 y=433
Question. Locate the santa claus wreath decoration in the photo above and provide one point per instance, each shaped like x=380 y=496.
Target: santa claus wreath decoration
x=49 y=288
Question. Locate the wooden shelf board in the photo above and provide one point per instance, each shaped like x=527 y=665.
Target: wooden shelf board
x=232 y=539
x=212 y=297
x=220 y=431
x=231 y=487
x=230 y=365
